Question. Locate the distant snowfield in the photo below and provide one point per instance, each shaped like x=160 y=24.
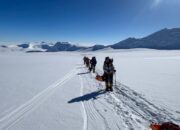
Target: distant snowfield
x=54 y=91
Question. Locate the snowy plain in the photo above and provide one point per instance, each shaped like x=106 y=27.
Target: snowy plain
x=45 y=91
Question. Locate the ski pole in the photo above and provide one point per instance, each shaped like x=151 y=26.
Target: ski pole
x=115 y=78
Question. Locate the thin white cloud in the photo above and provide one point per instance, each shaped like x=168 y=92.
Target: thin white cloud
x=156 y=3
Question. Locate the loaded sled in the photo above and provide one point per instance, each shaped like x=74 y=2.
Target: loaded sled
x=164 y=126
x=100 y=78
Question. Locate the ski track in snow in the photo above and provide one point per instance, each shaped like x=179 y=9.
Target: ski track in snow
x=85 y=126
x=141 y=106
x=122 y=109
x=13 y=117
x=95 y=118
x=90 y=114
x=130 y=107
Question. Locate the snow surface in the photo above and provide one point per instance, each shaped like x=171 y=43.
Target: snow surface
x=155 y=74
x=52 y=91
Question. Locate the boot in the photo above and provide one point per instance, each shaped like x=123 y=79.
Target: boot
x=110 y=87
x=93 y=69
x=107 y=88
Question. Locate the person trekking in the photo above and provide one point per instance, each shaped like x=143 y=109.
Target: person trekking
x=87 y=62
x=109 y=70
x=93 y=64
x=84 y=59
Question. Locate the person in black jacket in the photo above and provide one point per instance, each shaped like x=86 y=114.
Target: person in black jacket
x=109 y=70
x=93 y=64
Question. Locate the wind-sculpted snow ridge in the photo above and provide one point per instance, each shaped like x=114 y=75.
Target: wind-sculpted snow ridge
x=122 y=109
x=13 y=117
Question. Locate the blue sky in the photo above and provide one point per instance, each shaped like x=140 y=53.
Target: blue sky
x=84 y=21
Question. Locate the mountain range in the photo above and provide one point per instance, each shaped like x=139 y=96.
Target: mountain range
x=165 y=39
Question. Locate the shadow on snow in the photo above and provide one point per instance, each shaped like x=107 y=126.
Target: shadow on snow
x=93 y=95
x=83 y=73
x=81 y=67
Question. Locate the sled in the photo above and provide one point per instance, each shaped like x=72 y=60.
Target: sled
x=155 y=126
x=164 y=126
x=99 y=78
